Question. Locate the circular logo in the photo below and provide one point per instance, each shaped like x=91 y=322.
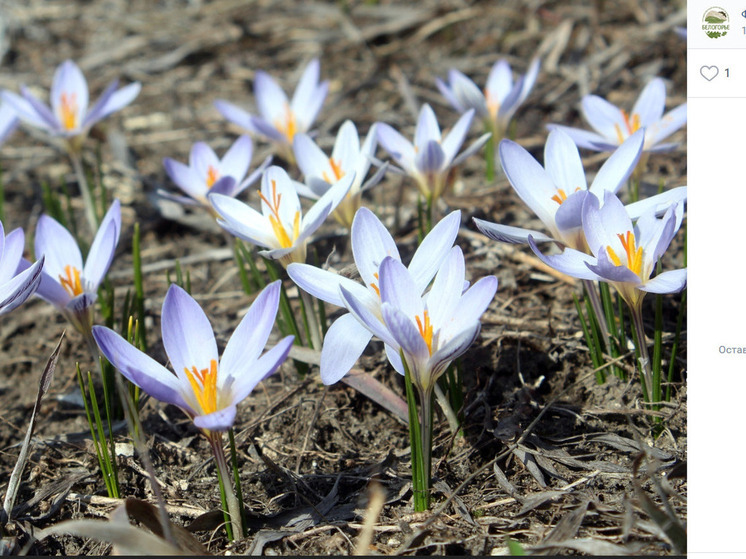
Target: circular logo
x=715 y=22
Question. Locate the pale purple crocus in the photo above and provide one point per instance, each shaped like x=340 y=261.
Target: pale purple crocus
x=207 y=388
x=429 y=330
x=622 y=253
x=371 y=243
x=207 y=173
x=281 y=227
x=612 y=125
x=68 y=283
x=18 y=280
x=556 y=191
x=498 y=102
x=280 y=119
x=432 y=158
x=625 y=255
x=8 y=121
x=348 y=156
x=70 y=116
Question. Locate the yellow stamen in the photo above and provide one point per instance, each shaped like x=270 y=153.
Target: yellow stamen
x=212 y=176
x=288 y=125
x=632 y=252
x=426 y=330
x=204 y=383
x=275 y=221
x=336 y=169
x=69 y=110
x=72 y=283
x=631 y=124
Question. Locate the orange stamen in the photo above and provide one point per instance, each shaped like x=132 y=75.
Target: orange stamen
x=375 y=286
x=274 y=219
x=561 y=195
x=212 y=176
x=631 y=124
x=72 y=283
x=69 y=110
x=632 y=252
x=288 y=126
x=204 y=383
x=336 y=169
x=426 y=330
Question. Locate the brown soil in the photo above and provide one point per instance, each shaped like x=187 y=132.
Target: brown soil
x=547 y=456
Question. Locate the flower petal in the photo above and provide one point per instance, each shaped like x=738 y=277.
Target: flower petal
x=530 y=181
x=21 y=287
x=651 y=102
x=399 y=289
x=619 y=166
x=270 y=98
x=245 y=381
x=250 y=336
x=185 y=178
x=58 y=246
x=433 y=249
x=102 y=250
x=235 y=114
x=187 y=335
x=237 y=159
x=571 y=262
x=217 y=421
x=69 y=87
x=671 y=281
x=562 y=162
x=371 y=243
x=508 y=233
x=138 y=368
x=115 y=102
x=344 y=343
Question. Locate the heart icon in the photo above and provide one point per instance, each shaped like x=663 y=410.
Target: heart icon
x=709 y=72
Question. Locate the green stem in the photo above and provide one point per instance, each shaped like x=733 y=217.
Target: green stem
x=646 y=372
x=313 y=323
x=234 y=511
x=90 y=209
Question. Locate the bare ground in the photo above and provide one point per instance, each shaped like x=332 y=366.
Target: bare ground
x=547 y=456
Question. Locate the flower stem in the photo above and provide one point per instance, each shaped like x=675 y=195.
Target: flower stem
x=646 y=371
x=90 y=210
x=311 y=319
x=216 y=442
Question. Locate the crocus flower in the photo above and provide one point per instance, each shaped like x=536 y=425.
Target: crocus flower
x=321 y=172
x=17 y=281
x=280 y=120
x=623 y=254
x=556 y=191
x=432 y=157
x=501 y=97
x=280 y=227
x=70 y=116
x=207 y=388
x=66 y=282
x=612 y=125
x=371 y=244
x=207 y=173
x=8 y=121
x=432 y=330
